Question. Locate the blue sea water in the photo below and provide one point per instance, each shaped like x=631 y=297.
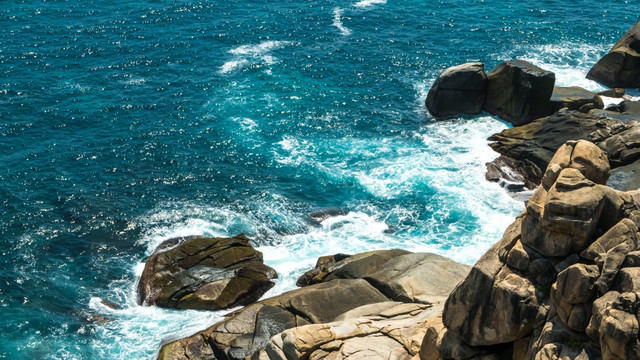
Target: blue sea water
x=125 y=123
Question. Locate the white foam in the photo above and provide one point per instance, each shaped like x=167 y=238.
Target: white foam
x=247 y=54
x=569 y=61
x=368 y=3
x=337 y=22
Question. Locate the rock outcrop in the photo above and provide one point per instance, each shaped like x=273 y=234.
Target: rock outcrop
x=459 y=89
x=519 y=92
x=205 y=273
x=621 y=66
x=424 y=280
x=529 y=148
x=561 y=282
x=387 y=331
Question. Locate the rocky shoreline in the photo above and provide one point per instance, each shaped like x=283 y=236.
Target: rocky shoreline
x=562 y=283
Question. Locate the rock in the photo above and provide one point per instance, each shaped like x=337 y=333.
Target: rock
x=621 y=66
x=248 y=330
x=627 y=280
x=494 y=305
x=614 y=93
x=432 y=339
x=614 y=325
x=396 y=333
x=574 y=98
x=519 y=92
x=205 y=273
x=556 y=341
x=575 y=284
x=609 y=264
x=458 y=90
x=421 y=277
x=319 y=216
x=530 y=147
x=341 y=266
x=624 y=231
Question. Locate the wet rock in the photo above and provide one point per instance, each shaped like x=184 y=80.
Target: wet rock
x=519 y=92
x=459 y=89
x=621 y=66
x=205 y=273
x=531 y=147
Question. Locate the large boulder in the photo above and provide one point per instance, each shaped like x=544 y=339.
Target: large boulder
x=459 y=89
x=530 y=147
x=519 y=92
x=562 y=282
x=621 y=66
x=205 y=273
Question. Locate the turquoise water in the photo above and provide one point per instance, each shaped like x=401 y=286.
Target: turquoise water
x=125 y=123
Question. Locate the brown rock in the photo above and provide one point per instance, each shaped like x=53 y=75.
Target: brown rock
x=205 y=273
x=623 y=232
x=519 y=92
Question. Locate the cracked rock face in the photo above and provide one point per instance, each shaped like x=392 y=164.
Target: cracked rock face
x=205 y=273
x=370 y=298
x=562 y=282
x=529 y=148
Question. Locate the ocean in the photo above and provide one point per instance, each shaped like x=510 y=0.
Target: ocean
x=126 y=123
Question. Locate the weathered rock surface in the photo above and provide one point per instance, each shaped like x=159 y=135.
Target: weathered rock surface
x=395 y=333
x=519 y=92
x=574 y=98
x=530 y=147
x=249 y=329
x=423 y=279
x=205 y=273
x=562 y=282
x=341 y=266
x=459 y=89
x=621 y=66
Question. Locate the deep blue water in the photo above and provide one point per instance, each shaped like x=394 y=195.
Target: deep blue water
x=124 y=123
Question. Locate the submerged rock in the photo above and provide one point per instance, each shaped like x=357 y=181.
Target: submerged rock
x=519 y=92
x=205 y=273
x=459 y=89
x=621 y=66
